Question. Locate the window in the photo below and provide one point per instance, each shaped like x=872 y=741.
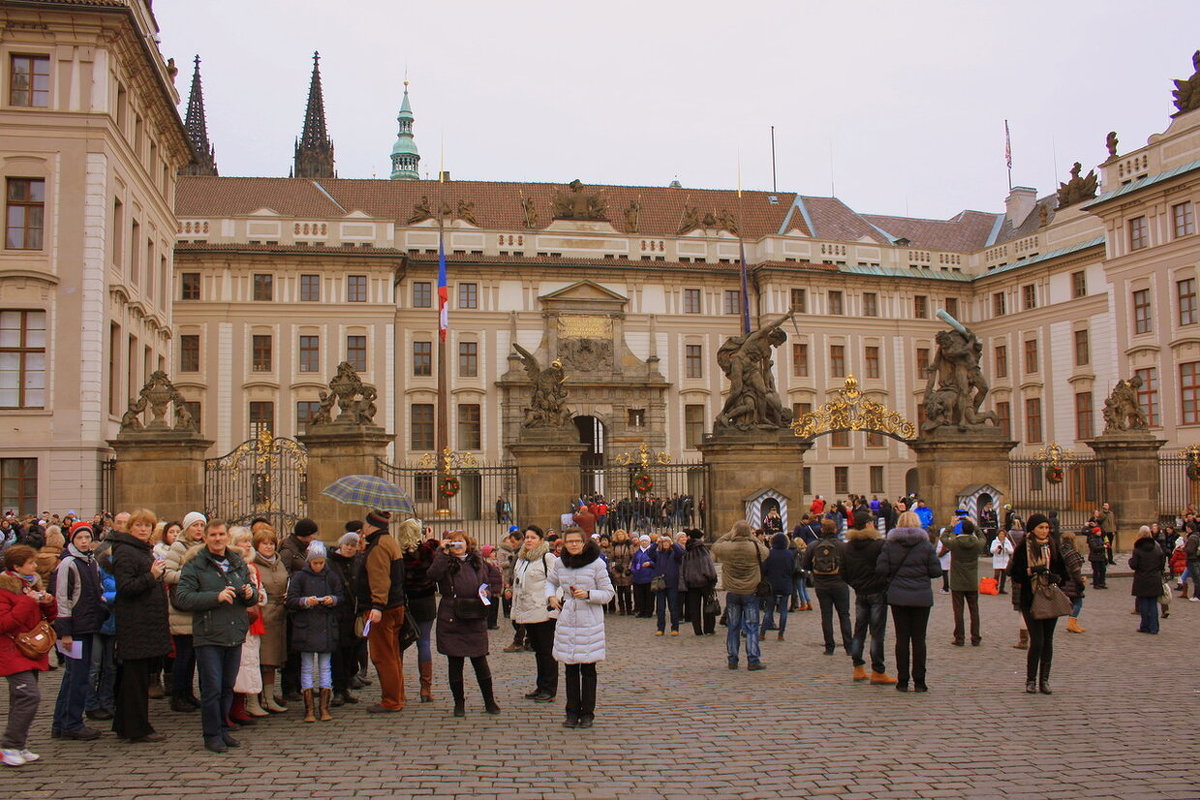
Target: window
x=836 y=303
x=693 y=361
x=422 y=358
x=422 y=294
x=870 y=304
x=468 y=295
x=310 y=288
x=921 y=306
x=1031 y=357
x=1138 y=233
x=421 y=426
x=1029 y=296
x=693 y=424
x=1183 y=219
x=952 y=306
x=19 y=484
x=260 y=352
x=998 y=305
x=1148 y=394
x=1001 y=359
x=1004 y=418
x=356 y=288
x=877 y=477
x=806 y=480
x=800 y=360
x=305 y=411
x=356 y=352
x=29 y=81
x=635 y=417
x=468 y=359
x=871 y=362
x=310 y=353
x=1083 y=349
x=691 y=301
x=800 y=409
x=22 y=359
x=1141 y=312
x=1186 y=292
x=193 y=407
x=469 y=430
x=922 y=361
x=839 y=439
x=189 y=286
x=1083 y=415
x=24 y=213
x=837 y=360
x=134 y=240
x=1079 y=284
x=264 y=287
x=1189 y=392
x=423 y=486
x=118 y=234
x=841 y=480
x=800 y=300
x=733 y=301
x=189 y=352
x=262 y=417
x=874 y=439
x=1033 y=419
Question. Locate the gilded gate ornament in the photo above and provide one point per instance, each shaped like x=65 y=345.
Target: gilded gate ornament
x=853 y=411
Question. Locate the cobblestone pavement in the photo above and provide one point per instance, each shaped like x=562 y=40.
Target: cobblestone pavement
x=674 y=722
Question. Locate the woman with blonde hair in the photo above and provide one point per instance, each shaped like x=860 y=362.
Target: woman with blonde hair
x=183 y=669
x=420 y=591
x=909 y=561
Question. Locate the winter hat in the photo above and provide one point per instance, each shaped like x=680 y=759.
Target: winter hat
x=316 y=549
x=514 y=529
x=694 y=533
x=81 y=527
x=1034 y=520
x=348 y=540
x=354 y=526
x=304 y=527
x=192 y=517
x=779 y=541
x=644 y=539
x=487 y=550
x=961 y=512
x=379 y=519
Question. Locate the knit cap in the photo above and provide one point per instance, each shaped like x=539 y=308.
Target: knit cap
x=316 y=550
x=192 y=517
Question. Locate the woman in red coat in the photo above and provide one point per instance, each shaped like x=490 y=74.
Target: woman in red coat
x=24 y=603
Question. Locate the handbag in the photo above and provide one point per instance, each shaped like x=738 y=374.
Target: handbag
x=1049 y=601
x=469 y=608
x=1165 y=598
x=658 y=583
x=409 y=632
x=989 y=586
x=712 y=606
x=764 y=588
x=36 y=642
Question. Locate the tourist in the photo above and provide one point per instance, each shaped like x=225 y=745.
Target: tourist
x=248 y=686
x=272 y=644
x=741 y=558
x=1147 y=561
x=965 y=547
x=346 y=561
x=800 y=599
x=81 y=613
x=460 y=573
x=312 y=596
x=167 y=537
x=641 y=570
x=532 y=565
x=777 y=570
x=1002 y=549
x=620 y=557
x=698 y=574
x=50 y=553
x=667 y=556
x=1074 y=585
x=1192 y=549
x=1097 y=556
x=860 y=558
x=1036 y=559
x=909 y=562
x=579 y=587
x=384 y=593
x=24 y=604
x=183 y=671
x=419 y=589
x=823 y=560
x=508 y=554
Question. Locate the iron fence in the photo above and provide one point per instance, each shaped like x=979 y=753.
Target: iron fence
x=485 y=505
x=675 y=497
x=262 y=477
x=107 y=499
x=1176 y=491
x=1074 y=495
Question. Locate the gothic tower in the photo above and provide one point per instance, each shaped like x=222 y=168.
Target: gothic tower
x=204 y=162
x=405 y=157
x=314 y=150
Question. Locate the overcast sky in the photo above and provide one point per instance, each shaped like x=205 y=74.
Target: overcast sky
x=895 y=107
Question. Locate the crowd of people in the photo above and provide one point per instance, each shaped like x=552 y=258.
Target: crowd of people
x=261 y=622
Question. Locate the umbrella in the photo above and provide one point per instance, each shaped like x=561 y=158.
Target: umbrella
x=370 y=491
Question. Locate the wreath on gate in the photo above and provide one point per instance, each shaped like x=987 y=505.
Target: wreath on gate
x=1193 y=472
x=449 y=486
x=1054 y=474
x=643 y=483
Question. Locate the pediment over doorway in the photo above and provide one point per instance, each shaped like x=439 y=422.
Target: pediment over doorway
x=584 y=295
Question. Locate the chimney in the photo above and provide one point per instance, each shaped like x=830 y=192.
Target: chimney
x=1019 y=204
x=444 y=177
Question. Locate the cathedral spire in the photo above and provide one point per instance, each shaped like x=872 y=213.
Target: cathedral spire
x=405 y=157
x=204 y=160
x=314 y=150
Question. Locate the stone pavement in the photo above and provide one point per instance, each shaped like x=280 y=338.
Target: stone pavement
x=673 y=722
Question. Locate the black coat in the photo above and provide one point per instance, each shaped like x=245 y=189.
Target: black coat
x=859 y=560
x=315 y=629
x=1146 y=561
x=1018 y=571
x=141 y=604
x=908 y=562
x=350 y=571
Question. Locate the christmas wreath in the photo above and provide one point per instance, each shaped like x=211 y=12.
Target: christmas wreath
x=642 y=483
x=1054 y=474
x=449 y=486
x=1193 y=472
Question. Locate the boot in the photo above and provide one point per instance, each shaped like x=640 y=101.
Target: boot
x=860 y=674
x=1044 y=679
x=325 y=695
x=426 y=670
x=1183 y=591
x=460 y=701
x=489 y=700
x=237 y=711
x=882 y=678
x=309 y=716
x=253 y=708
x=1073 y=625
x=1022 y=640
x=271 y=701
x=268 y=702
x=338 y=700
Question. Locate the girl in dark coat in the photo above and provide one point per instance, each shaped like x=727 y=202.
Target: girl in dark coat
x=910 y=562
x=667 y=557
x=1147 y=561
x=460 y=572
x=312 y=596
x=1037 y=559
x=777 y=570
x=698 y=573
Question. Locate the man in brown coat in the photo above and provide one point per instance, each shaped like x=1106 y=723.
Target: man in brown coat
x=386 y=599
x=740 y=557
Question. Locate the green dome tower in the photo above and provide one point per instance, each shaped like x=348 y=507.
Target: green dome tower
x=405 y=157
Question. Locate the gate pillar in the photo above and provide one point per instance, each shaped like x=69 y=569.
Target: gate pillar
x=334 y=451
x=949 y=460
x=547 y=474
x=1131 y=479
x=742 y=463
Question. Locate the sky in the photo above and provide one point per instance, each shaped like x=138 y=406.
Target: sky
x=894 y=107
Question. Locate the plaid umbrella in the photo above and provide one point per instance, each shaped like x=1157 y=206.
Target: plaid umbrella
x=370 y=491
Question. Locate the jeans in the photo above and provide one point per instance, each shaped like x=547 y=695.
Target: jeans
x=870 y=614
x=1076 y=607
x=1148 y=608
x=24 y=696
x=971 y=600
x=835 y=597
x=316 y=671
x=184 y=669
x=218 y=668
x=801 y=588
x=911 y=623
x=72 y=692
x=541 y=638
x=777 y=602
x=667 y=598
x=741 y=615
x=102 y=678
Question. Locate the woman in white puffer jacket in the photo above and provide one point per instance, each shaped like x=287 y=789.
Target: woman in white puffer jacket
x=582 y=577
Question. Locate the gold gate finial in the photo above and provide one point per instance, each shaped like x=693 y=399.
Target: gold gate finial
x=852 y=410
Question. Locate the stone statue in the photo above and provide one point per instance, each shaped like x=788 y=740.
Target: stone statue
x=156 y=395
x=632 y=212
x=579 y=206
x=1111 y=142
x=421 y=210
x=466 y=212
x=1077 y=189
x=1043 y=215
x=531 y=215
x=1187 y=93
x=956 y=387
x=690 y=222
x=131 y=420
x=1122 y=411
x=355 y=400
x=547 y=407
x=586 y=355
x=727 y=221
x=753 y=400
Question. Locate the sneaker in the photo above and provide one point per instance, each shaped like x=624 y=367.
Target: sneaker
x=1194 y=600
x=29 y=756
x=12 y=758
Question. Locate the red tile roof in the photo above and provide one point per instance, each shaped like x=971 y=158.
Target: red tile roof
x=965 y=232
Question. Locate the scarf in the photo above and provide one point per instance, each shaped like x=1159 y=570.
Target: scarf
x=260 y=558
x=87 y=557
x=536 y=553
x=1039 y=555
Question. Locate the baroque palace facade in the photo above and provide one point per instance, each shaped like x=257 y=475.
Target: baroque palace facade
x=250 y=291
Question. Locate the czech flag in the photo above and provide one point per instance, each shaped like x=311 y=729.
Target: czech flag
x=443 y=292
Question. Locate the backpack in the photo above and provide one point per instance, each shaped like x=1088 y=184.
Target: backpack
x=827 y=558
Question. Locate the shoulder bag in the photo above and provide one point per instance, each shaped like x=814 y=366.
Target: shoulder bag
x=764 y=588
x=36 y=642
x=466 y=608
x=1048 y=600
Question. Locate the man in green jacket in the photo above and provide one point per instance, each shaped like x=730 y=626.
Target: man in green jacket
x=216 y=587
x=965 y=547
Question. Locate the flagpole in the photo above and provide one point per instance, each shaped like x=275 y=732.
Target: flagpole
x=442 y=436
x=745 y=292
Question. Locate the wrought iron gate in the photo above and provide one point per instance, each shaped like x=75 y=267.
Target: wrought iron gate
x=1176 y=491
x=485 y=505
x=1075 y=495
x=262 y=477
x=670 y=497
